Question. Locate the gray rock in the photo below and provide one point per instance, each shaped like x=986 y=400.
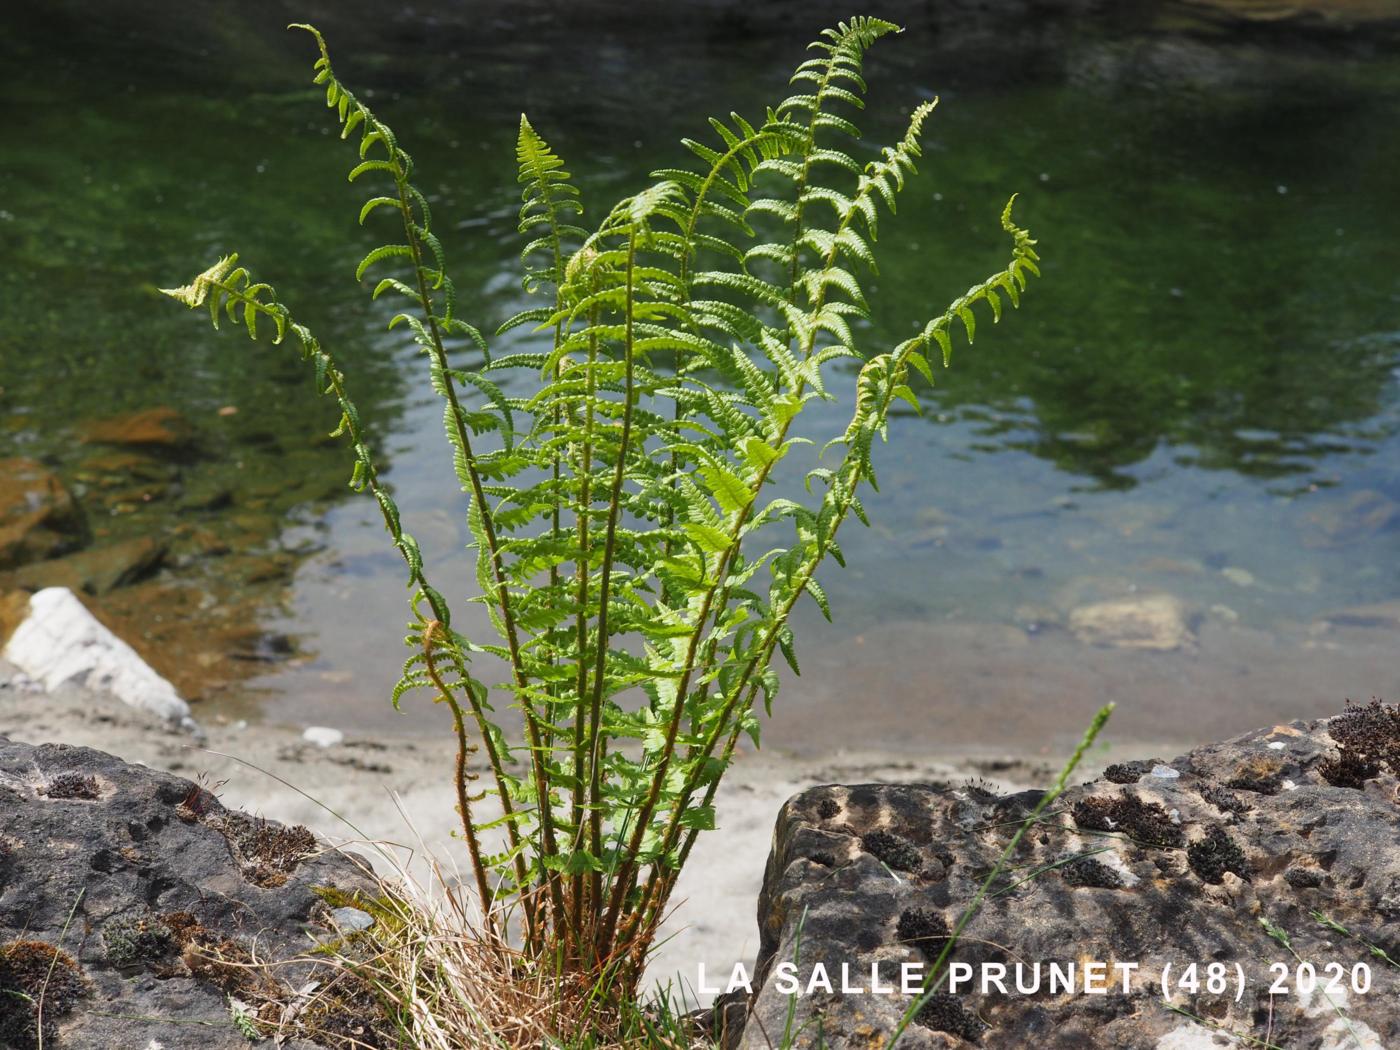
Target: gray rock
x=877 y=875
x=154 y=894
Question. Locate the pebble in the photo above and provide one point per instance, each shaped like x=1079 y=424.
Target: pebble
x=1239 y=577
x=1165 y=772
x=323 y=736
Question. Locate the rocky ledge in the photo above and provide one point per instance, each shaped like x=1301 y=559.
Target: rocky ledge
x=1274 y=857
x=137 y=911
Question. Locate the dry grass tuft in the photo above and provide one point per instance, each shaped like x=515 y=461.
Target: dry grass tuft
x=428 y=974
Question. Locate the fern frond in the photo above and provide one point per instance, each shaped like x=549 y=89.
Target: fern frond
x=649 y=401
x=548 y=197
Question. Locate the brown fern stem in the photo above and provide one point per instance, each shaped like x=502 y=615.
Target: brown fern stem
x=431 y=630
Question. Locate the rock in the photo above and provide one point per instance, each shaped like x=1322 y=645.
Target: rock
x=124 y=479
x=1156 y=621
x=1082 y=590
x=1379 y=616
x=149 y=898
x=99 y=569
x=60 y=641
x=351 y=919
x=38 y=516
x=1192 y=866
x=154 y=428
x=323 y=736
x=1350 y=519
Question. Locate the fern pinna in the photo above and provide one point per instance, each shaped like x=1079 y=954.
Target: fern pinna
x=616 y=511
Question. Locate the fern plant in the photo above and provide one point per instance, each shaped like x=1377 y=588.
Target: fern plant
x=626 y=536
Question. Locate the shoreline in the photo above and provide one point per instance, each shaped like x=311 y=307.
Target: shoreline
x=397 y=790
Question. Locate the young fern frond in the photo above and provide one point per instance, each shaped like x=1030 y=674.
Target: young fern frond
x=618 y=507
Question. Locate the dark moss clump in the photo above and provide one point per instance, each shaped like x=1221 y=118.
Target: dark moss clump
x=1088 y=873
x=1349 y=769
x=825 y=859
x=1223 y=800
x=923 y=929
x=144 y=939
x=72 y=786
x=31 y=973
x=983 y=791
x=1304 y=878
x=892 y=850
x=946 y=1013
x=267 y=852
x=1214 y=855
x=1371 y=730
x=1127 y=772
x=1144 y=822
x=828 y=808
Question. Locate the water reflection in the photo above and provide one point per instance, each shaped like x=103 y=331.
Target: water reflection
x=1200 y=398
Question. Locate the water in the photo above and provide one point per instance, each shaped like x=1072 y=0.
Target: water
x=1201 y=397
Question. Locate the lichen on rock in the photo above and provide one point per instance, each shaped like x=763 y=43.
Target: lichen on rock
x=1162 y=870
x=154 y=920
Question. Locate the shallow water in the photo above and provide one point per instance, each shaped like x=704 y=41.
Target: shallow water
x=1201 y=397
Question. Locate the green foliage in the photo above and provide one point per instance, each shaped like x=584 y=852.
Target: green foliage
x=616 y=510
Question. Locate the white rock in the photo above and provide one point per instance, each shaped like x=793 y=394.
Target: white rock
x=60 y=641
x=323 y=736
x=1165 y=772
x=352 y=919
x=1239 y=577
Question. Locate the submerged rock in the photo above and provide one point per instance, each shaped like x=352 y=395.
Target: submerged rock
x=38 y=516
x=1345 y=520
x=99 y=569
x=153 y=428
x=151 y=902
x=60 y=641
x=1155 y=621
x=1294 y=830
x=1378 y=616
